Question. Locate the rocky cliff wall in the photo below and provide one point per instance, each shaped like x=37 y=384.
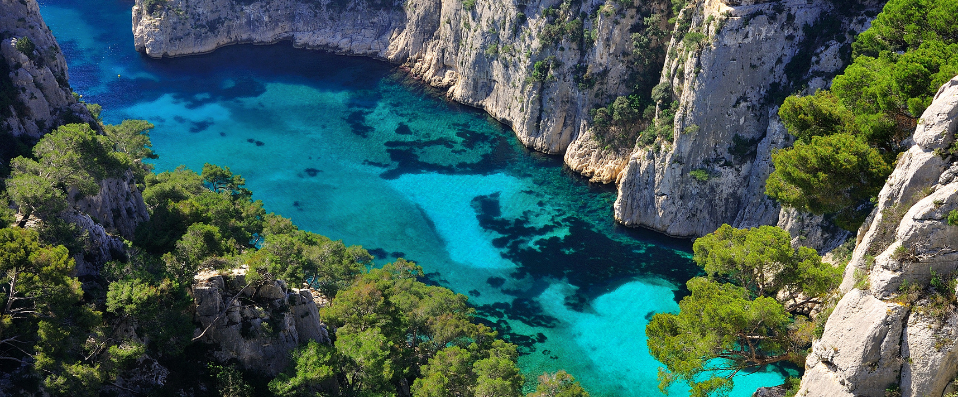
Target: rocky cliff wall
x=897 y=324
x=486 y=52
x=35 y=96
x=728 y=73
x=483 y=52
x=257 y=323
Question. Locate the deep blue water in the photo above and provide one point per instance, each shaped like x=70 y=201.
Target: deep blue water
x=353 y=149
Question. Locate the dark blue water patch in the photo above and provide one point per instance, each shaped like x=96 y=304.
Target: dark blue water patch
x=470 y=139
x=312 y=171
x=397 y=254
x=408 y=159
x=200 y=126
x=255 y=142
x=497 y=316
x=403 y=129
x=495 y=282
x=378 y=253
x=357 y=123
x=444 y=142
x=590 y=260
x=364 y=99
x=376 y=164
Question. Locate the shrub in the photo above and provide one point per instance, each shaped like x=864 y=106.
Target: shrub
x=469 y=4
x=700 y=175
x=953 y=218
x=26 y=46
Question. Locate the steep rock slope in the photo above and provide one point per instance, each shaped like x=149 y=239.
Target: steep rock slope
x=255 y=322
x=488 y=54
x=506 y=58
x=35 y=96
x=728 y=75
x=891 y=328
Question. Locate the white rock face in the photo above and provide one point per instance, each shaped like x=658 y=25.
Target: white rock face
x=41 y=97
x=485 y=57
x=261 y=334
x=870 y=342
x=119 y=206
x=726 y=123
x=859 y=353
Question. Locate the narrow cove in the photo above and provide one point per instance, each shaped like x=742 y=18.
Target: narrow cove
x=353 y=149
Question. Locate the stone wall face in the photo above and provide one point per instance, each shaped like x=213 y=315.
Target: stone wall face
x=485 y=55
x=906 y=243
x=37 y=96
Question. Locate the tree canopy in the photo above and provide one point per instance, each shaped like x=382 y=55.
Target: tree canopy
x=849 y=136
x=722 y=328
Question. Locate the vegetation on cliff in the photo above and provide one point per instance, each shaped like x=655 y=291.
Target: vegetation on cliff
x=391 y=333
x=723 y=328
x=848 y=137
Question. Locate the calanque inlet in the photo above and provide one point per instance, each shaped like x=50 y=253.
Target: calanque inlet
x=479 y=197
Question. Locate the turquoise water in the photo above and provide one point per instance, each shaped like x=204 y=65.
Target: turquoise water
x=354 y=149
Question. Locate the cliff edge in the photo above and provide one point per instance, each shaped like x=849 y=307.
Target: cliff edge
x=545 y=67
x=896 y=327
x=35 y=95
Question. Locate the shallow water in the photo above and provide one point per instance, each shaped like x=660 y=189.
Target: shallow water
x=353 y=149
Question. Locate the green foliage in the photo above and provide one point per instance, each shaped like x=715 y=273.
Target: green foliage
x=828 y=174
x=230 y=382
x=815 y=115
x=469 y=5
x=41 y=314
x=72 y=157
x=390 y=326
x=763 y=261
x=153 y=6
x=312 y=366
x=693 y=39
x=722 y=328
x=540 y=70
x=492 y=50
x=718 y=330
x=558 y=384
x=181 y=198
x=132 y=138
x=25 y=46
x=700 y=175
x=909 y=51
x=953 y=218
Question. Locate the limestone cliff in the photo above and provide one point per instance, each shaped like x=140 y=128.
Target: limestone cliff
x=255 y=322
x=897 y=322
x=489 y=54
x=728 y=73
x=35 y=96
x=542 y=66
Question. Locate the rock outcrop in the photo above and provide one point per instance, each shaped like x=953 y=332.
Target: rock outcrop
x=728 y=74
x=483 y=52
x=255 y=322
x=119 y=206
x=35 y=96
x=896 y=324
x=527 y=64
